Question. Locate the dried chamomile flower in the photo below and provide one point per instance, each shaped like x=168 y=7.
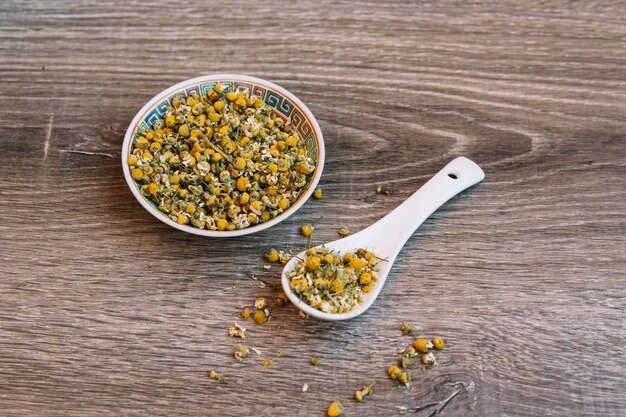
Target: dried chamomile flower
x=343 y=232
x=241 y=352
x=428 y=359
x=422 y=345
x=406 y=328
x=394 y=372
x=405 y=378
x=364 y=392
x=439 y=343
x=383 y=190
x=409 y=352
x=272 y=255
x=260 y=316
x=245 y=313
x=218 y=377
x=237 y=330
x=281 y=299
x=306 y=230
x=284 y=257
x=260 y=303
x=317 y=193
x=332 y=283
x=407 y=362
x=314 y=361
x=269 y=362
x=335 y=409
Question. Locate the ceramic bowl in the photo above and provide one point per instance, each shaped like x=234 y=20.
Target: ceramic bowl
x=284 y=104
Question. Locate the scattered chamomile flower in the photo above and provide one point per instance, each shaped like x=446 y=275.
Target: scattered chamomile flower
x=335 y=409
x=405 y=378
x=267 y=362
x=260 y=303
x=272 y=255
x=343 y=232
x=397 y=373
x=306 y=230
x=407 y=362
x=245 y=313
x=406 y=328
x=383 y=190
x=422 y=345
x=314 y=361
x=394 y=372
x=241 y=352
x=212 y=374
x=409 y=352
x=428 y=359
x=284 y=257
x=260 y=316
x=439 y=343
x=364 y=392
x=281 y=299
x=317 y=193
x=236 y=330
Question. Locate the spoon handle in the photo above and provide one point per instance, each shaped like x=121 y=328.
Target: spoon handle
x=395 y=228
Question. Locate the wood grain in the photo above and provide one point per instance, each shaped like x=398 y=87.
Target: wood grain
x=104 y=310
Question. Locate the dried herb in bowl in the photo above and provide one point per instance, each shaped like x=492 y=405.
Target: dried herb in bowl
x=221 y=161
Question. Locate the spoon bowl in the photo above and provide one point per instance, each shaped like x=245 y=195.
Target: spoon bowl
x=387 y=236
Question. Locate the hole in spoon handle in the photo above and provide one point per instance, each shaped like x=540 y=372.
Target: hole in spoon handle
x=465 y=170
x=458 y=175
x=396 y=227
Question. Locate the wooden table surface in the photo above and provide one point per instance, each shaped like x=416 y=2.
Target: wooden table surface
x=104 y=310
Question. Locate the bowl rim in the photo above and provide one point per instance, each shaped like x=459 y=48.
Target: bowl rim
x=224 y=233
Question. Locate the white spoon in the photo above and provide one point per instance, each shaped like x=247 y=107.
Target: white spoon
x=386 y=237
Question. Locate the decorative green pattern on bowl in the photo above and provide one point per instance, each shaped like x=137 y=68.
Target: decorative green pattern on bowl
x=282 y=106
